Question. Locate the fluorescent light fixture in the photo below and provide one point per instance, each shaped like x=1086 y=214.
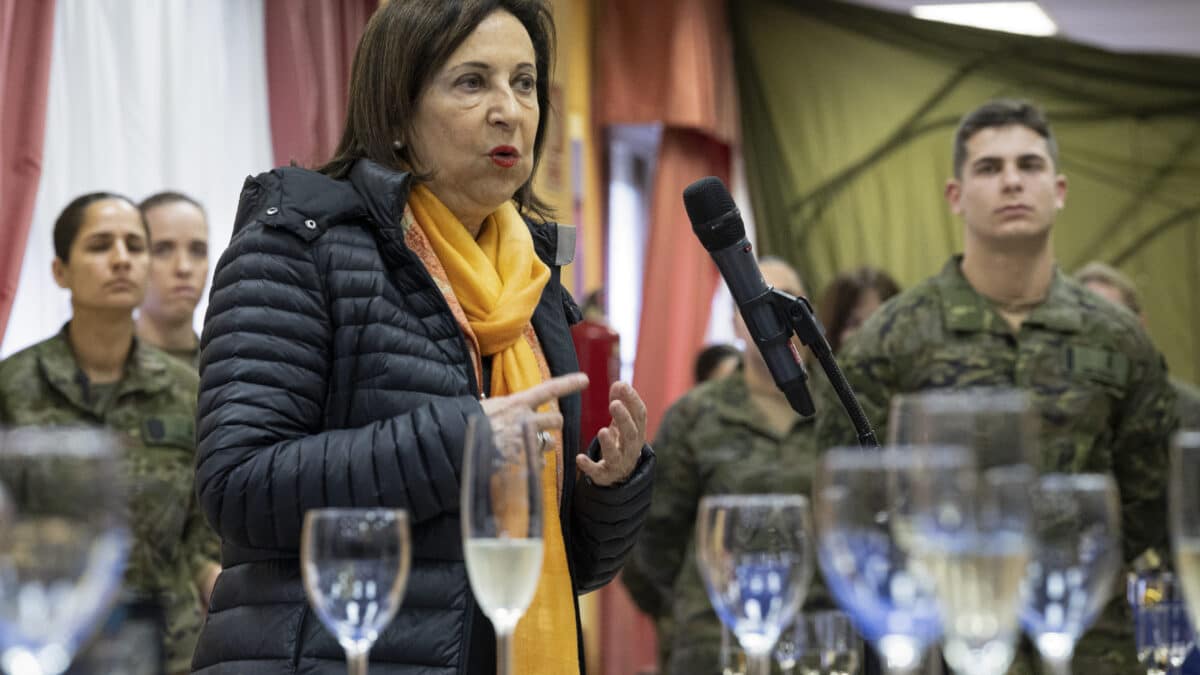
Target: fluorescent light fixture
x=1025 y=18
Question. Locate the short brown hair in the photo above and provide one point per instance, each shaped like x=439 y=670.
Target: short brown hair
x=1001 y=113
x=1098 y=272
x=402 y=48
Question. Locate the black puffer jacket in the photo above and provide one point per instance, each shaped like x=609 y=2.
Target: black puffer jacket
x=333 y=374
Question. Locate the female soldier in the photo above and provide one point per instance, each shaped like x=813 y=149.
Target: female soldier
x=363 y=313
x=95 y=372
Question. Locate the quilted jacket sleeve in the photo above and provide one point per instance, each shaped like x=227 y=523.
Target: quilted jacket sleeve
x=606 y=522
x=263 y=457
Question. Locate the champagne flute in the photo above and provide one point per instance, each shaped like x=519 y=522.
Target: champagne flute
x=354 y=563
x=63 y=552
x=864 y=512
x=755 y=560
x=1185 y=515
x=502 y=523
x=1077 y=524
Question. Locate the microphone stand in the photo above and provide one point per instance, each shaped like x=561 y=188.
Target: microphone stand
x=804 y=323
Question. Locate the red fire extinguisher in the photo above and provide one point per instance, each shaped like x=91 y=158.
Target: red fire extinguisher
x=599 y=349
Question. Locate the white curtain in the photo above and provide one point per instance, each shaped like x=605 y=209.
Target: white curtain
x=145 y=95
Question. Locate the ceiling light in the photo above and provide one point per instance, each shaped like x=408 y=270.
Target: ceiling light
x=1025 y=18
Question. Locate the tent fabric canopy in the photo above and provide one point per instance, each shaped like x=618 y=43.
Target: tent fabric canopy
x=848 y=118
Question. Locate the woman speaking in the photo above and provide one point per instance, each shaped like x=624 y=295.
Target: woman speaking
x=363 y=312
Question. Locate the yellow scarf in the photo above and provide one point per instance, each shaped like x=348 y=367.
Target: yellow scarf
x=498 y=280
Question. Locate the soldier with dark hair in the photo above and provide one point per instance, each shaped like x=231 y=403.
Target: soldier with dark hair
x=1004 y=314
x=178 y=272
x=96 y=372
x=734 y=434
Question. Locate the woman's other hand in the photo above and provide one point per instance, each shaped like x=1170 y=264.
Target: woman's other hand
x=621 y=441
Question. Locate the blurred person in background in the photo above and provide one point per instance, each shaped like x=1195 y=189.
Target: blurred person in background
x=178 y=271
x=1002 y=314
x=1109 y=283
x=716 y=361
x=95 y=371
x=364 y=312
x=730 y=435
x=850 y=298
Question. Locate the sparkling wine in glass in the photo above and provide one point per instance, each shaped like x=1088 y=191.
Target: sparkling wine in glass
x=502 y=523
x=972 y=532
x=355 y=566
x=64 y=548
x=754 y=553
x=864 y=506
x=1185 y=515
x=1077 y=529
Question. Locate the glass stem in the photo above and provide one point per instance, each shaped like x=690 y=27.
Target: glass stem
x=1057 y=666
x=356 y=661
x=504 y=654
x=758 y=664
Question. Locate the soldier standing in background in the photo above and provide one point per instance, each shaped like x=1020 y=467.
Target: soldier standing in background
x=96 y=372
x=1105 y=281
x=178 y=271
x=1003 y=314
x=734 y=434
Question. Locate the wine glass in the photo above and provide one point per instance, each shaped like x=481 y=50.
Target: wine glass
x=355 y=563
x=997 y=424
x=797 y=651
x=64 y=549
x=864 y=503
x=502 y=523
x=839 y=645
x=1185 y=515
x=972 y=532
x=755 y=559
x=1077 y=527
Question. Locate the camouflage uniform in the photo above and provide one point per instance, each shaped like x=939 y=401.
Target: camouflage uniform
x=153 y=409
x=188 y=356
x=1187 y=404
x=711 y=441
x=1096 y=380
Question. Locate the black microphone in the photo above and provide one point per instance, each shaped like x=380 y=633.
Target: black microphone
x=718 y=224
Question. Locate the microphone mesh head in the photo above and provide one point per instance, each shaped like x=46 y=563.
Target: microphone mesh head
x=706 y=199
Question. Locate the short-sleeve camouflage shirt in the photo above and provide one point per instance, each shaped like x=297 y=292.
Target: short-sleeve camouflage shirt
x=153 y=410
x=1097 y=382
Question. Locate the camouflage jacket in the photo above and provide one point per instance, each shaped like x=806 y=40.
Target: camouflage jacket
x=711 y=441
x=153 y=409
x=1098 y=383
x=1187 y=404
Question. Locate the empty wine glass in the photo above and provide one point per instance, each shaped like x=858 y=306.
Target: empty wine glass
x=1077 y=528
x=754 y=553
x=997 y=424
x=502 y=523
x=864 y=508
x=355 y=566
x=63 y=551
x=1185 y=515
x=971 y=531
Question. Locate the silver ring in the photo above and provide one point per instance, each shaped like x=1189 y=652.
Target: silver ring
x=544 y=439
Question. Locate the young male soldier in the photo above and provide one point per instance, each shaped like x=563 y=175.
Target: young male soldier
x=178 y=272
x=1003 y=314
x=1107 y=282
x=735 y=434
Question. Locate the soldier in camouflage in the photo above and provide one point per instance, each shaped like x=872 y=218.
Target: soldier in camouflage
x=1110 y=284
x=1003 y=314
x=96 y=372
x=178 y=271
x=735 y=434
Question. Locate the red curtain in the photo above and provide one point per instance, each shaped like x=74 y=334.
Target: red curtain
x=667 y=62
x=310 y=47
x=26 y=34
